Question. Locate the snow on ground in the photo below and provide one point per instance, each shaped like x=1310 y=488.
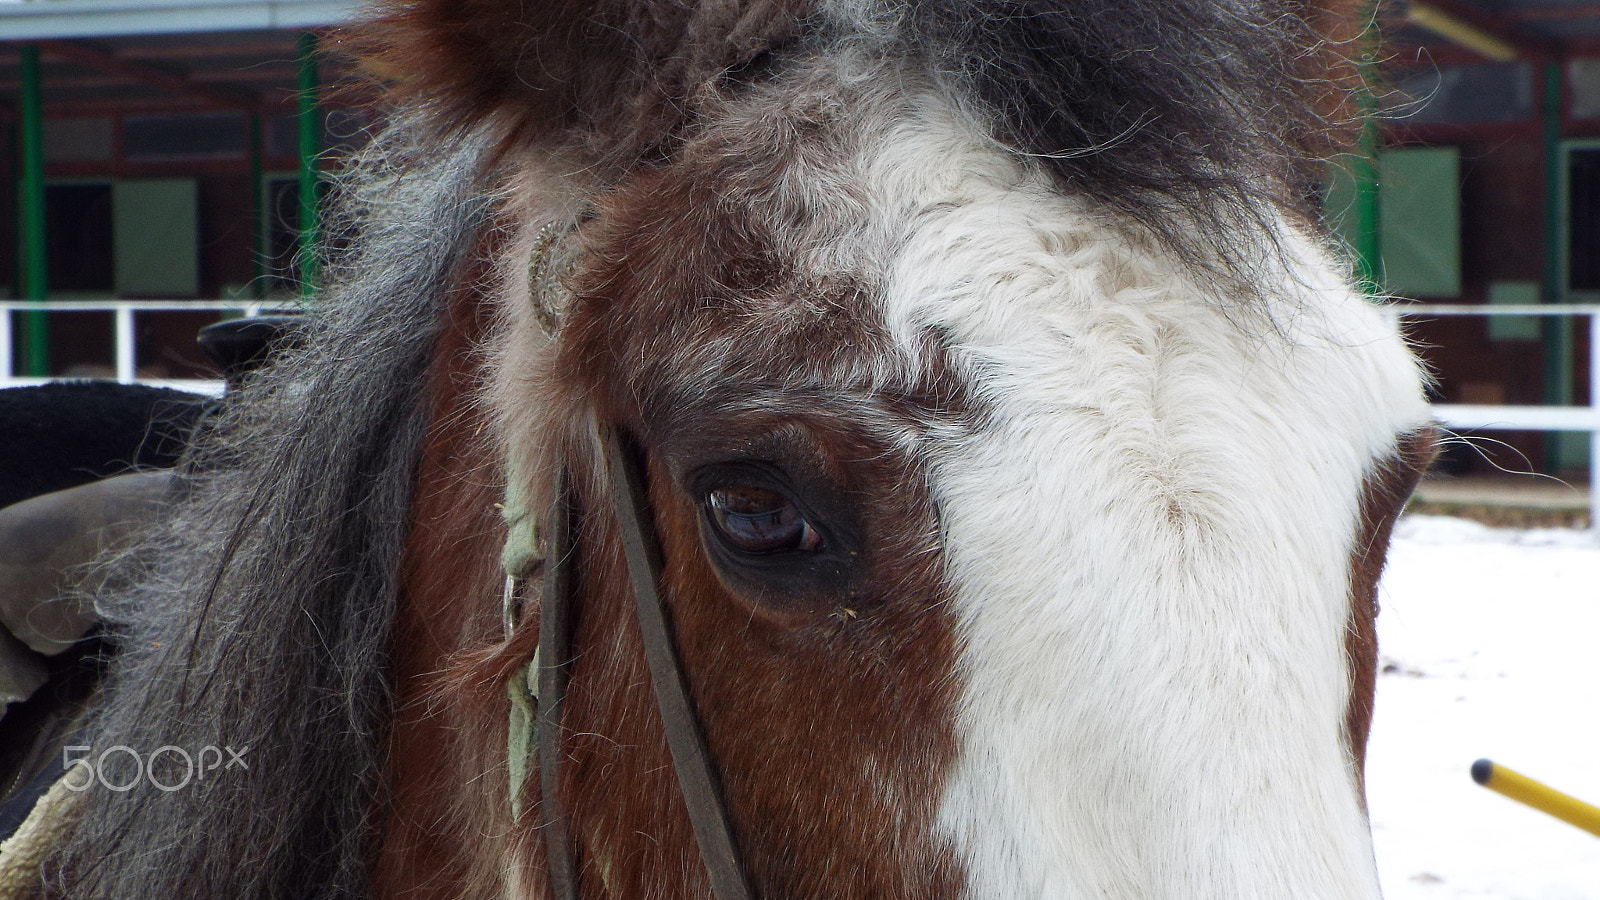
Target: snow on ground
x=1491 y=639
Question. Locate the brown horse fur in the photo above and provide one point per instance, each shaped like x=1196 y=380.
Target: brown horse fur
x=1382 y=497
x=880 y=653
x=449 y=574
x=664 y=133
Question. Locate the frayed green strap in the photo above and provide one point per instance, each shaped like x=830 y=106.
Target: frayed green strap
x=548 y=261
x=518 y=558
x=524 y=728
x=521 y=551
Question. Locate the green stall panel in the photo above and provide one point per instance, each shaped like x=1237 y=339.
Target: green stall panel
x=156 y=233
x=1419 y=229
x=1514 y=328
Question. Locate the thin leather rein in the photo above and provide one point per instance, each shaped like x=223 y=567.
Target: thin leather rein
x=697 y=776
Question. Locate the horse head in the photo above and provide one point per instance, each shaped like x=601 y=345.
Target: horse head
x=1018 y=457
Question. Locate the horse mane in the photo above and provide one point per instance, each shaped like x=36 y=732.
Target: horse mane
x=1193 y=119
x=260 y=616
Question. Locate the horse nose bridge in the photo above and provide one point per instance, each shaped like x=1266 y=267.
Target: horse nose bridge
x=1088 y=809
x=1134 y=676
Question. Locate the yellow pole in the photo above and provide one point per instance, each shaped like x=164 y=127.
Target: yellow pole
x=1457 y=31
x=1545 y=799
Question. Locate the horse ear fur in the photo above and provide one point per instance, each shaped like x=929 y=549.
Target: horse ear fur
x=614 y=74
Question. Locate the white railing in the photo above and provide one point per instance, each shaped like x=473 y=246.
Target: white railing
x=1467 y=417
x=1451 y=415
x=123 y=312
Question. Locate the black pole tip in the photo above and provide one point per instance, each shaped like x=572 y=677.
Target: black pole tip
x=1481 y=770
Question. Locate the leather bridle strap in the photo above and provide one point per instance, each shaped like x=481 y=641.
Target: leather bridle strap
x=697 y=778
x=555 y=649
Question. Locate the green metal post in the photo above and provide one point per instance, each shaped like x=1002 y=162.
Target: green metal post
x=258 y=218
x=31 y=216
x=1557 y=330
x=310 y=121
x=1368 y=209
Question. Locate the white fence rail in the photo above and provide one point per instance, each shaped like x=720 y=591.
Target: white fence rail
x=1472 y=417
x=1455 y=416
x=124 y=313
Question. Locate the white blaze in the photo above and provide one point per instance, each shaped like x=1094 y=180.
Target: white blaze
x=1149 y=537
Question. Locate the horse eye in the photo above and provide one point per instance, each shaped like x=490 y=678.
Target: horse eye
x=756 y=520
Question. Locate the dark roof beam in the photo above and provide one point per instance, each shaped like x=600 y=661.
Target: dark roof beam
x=102 y=107
x=85 y=82
x=1553 y=14
x=278 y=50
x=281 y=75
x=151 y=76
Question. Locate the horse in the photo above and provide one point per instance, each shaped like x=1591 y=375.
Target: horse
x=968 y=392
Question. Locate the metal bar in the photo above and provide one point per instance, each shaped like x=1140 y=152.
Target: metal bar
x=1563 y=418
x=1518 y=418
x=127 y=368
x=246 y=306
x=1367 y=202
x=1425 y=310
x=124 y=333
x=1556 y=334
x=120 y=18
x=1594 y=436
x=7 y=364
x=310 y=147
x=258 y=216
x=191 y=385
x=31 y=220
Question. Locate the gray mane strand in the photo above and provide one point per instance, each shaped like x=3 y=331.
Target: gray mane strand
x=261 y=615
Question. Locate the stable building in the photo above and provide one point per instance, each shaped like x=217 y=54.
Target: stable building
x=1486 y=193
x=163 y=150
